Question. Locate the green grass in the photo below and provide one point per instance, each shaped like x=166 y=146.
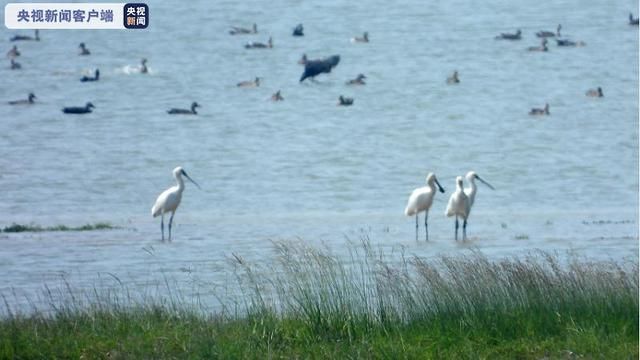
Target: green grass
x=16 y=228
x=310 y=303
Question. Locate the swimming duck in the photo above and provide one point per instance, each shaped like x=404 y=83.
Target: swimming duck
x=303 y=59
x=84 y=50
x=89 y=78
x=298 y=30
x=13 y=53
x=345 y=101
x=545 y=34
x=542 y=47
x=78 y=109
x=26 y=37
x=243 y=31
x=28 y=101
x=538 y=111
x=359 y=80
x=175 y=111
x=453 y=79
x=508 y=36
x=277 y=96
x=633 y=21
x=363 y=39
x=258 y=45
x=312 y=68
x=569 y=43
x=249 y=84
x=15 y=65
x=143 y=66
x=595 y=92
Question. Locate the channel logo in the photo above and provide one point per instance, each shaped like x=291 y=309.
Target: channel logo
x=76 y=16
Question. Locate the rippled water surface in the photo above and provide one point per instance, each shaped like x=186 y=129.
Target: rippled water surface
x=306 y=168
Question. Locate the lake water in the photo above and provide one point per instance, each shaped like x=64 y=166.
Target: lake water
x=306 y=168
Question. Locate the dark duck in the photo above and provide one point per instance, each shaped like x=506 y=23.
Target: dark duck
x=176 y=111
x=96 y=77
x=79 y=109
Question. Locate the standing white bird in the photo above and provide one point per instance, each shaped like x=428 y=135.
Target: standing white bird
x=421 y=200
x=472 y=189
x=169 y=200
x=460 y=206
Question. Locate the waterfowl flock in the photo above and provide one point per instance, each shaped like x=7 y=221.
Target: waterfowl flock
x=313 y=68
x=420 y=200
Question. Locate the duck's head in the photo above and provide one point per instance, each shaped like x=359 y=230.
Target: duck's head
x=31 y=96
x=194 y=105
x=361 y=77
x=89 y=105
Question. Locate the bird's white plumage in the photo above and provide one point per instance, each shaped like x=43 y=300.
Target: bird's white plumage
x=169 y=200
x=421 y=198
x=459 y=204
x=472 y=189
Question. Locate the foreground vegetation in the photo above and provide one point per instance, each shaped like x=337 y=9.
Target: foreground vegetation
x=310 y=303
x=16 y=228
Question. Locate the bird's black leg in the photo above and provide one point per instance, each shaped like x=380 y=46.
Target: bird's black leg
x=162 y=226
x=416 y=227
x=426 y=227
x=464 y=230
x=170 y=222
x=457 y=228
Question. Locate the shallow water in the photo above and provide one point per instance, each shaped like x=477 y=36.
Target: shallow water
x=305 y=167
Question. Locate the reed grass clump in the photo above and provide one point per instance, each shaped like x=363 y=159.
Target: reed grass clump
x=310 y=302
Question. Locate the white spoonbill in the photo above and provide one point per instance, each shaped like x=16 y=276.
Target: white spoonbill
x=459 y=205
x=169 y=200
x=421 y=200
x=472 y=189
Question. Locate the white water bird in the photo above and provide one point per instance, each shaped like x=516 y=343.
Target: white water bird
x=472 y=189
x=421 y=200
x=169 y=200
x=459 y=206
